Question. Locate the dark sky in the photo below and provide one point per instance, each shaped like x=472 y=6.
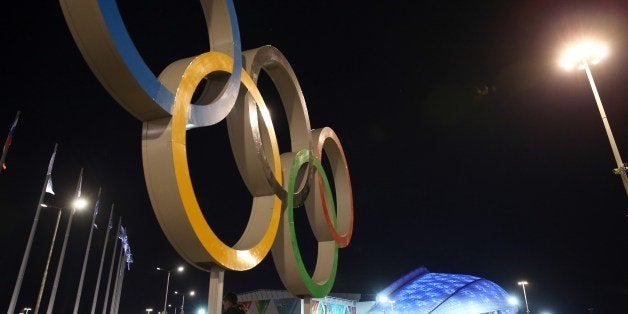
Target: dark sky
x=512 y=184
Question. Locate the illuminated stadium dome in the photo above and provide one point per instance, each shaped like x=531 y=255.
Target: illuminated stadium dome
x=423 y=292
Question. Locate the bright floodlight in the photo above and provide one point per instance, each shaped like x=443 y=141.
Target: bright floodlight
x=587 y=51
x=383 y=299
x=180 y=268
x=521 y=283
x=79 y=203
x=201 y=311
x=513 y=301
x=192 y=293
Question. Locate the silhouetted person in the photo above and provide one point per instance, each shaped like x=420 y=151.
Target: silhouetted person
x=230 y=304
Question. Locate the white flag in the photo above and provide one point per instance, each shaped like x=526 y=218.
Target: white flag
x=49 y=187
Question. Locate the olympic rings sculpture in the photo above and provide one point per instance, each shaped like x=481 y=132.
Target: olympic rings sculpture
x=277 y=181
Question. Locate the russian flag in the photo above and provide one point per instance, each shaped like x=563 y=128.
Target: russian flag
x=8 y=141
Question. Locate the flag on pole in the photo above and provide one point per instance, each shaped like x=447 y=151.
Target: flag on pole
x=49 y=187
x=7 y=142
x=49 y=172
x=96 y=207
x=125 y=245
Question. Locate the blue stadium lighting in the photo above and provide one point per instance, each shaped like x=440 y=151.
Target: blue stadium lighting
x=423 y=292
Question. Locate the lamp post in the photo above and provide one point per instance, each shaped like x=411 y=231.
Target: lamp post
x=580 y=56
x=525 y=298
x=179 y=269
x=149 y=310
x=191 y=293
x=27 y=309
x=78 y=204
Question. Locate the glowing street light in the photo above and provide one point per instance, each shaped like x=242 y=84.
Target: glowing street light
x=191 y=294
x=580 y=56
x=179 y=269
x=525 y=298
x=148 y=310
x=52 y=244
x=77 y=204
x=586 y=52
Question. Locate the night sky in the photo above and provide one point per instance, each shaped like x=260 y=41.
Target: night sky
x=470 y=150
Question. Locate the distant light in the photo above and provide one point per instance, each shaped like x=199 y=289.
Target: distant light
x=192 y=293
x=522 y=283
x=159 y=268
x=201 y=311
x=149 y=310
x=586 y=51
x=43 y=205
x=180 y=268
x=79 y=203
x=176 y=292
x=382 y=298
x=513 y=301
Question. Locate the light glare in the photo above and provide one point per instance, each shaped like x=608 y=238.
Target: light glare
x=79 y=203
x=383 y=299
x=586 y=51
x=513 y=301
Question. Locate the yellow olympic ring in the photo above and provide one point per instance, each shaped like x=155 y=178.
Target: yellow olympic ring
x=192 y=237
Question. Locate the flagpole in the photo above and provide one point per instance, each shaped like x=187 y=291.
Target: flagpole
x=52 y=245
x=119 y=292
x=116 y=286
x=53 y=294
x=29 y=244
x=89 y=244
x=102 y=260
x=7 y=142
x=113 y=260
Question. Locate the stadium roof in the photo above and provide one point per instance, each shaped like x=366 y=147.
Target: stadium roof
x=423 y=292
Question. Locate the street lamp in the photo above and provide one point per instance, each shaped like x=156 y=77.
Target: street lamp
x=580 y=56
x=27 y=309
x=191 y=294
x=77 y=204
x=148 y=310
x=525 y=298
x=179 y=269
x=52 y=245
